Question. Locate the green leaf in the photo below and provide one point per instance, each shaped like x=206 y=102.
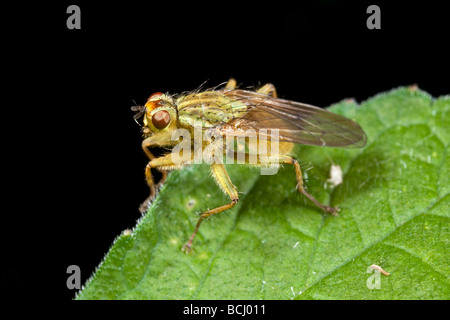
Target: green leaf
x=275 y=244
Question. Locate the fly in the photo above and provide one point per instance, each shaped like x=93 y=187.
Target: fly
x=232 y=112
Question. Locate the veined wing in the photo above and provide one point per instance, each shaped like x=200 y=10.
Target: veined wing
x=297 y=122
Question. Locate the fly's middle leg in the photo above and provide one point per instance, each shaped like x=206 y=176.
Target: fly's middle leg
x=223 y=180
x=231 y=84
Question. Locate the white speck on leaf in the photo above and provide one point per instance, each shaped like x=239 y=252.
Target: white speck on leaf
x=404 y=164
x=335 y=175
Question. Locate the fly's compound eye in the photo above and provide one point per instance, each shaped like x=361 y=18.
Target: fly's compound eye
x=161 y=119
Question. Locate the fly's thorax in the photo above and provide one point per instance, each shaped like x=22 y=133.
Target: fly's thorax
x=209 y=109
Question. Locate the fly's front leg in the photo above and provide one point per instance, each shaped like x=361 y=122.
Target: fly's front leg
x=301 y=189
x=148 y=174
x=223 y=180
x=145 y=145
x=163 y=163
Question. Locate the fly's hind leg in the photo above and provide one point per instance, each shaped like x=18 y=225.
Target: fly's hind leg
x=223 y=180
x=301 y=189
x=268 y=88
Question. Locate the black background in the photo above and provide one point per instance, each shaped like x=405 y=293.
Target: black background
x=85 y=167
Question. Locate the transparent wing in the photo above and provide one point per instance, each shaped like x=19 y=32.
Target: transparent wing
x=297 y=122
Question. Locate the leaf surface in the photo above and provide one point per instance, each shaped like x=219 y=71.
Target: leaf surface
x=275 y=244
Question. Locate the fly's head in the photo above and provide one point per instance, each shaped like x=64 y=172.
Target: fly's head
x=159 y=117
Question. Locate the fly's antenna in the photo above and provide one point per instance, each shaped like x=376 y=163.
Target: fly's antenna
x=140 y=110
